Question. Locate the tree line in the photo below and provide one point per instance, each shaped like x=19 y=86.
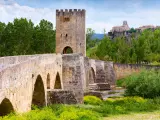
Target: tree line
x=144 y=48
x=22 y=37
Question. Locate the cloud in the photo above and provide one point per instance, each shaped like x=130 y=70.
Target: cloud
x=97 y=18
x=11 y=11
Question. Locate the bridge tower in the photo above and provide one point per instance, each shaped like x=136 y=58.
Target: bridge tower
x=70 y=31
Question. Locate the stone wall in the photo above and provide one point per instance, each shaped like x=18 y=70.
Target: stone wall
x=102 y=72
x=70 y=30
x=60 y=97
x=73 y=74
x=123 y=70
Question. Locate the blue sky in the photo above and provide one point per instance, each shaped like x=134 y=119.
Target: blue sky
x=100 y=14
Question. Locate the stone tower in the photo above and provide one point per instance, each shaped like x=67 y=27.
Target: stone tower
x=125 y=23
x=70 y=31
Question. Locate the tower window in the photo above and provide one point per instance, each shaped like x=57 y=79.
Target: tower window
x=66 y=19
x=66 y=35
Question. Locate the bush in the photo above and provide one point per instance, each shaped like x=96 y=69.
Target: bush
x=92 y=100
x=127 y=105
x=110 y=106
x=145 y=84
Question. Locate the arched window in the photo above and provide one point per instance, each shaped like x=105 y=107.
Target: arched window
x=57 y=84
x=38 y=97
x=67 y=50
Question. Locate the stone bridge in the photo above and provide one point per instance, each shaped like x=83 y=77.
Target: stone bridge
x=27 y=80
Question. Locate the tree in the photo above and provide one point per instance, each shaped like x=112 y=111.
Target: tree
x=21 y=37
x=44 y=37
x=89 y=35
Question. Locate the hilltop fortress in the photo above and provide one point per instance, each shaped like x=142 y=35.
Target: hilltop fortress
x=124 y=30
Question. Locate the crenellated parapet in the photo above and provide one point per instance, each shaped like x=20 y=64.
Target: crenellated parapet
x=66 y=12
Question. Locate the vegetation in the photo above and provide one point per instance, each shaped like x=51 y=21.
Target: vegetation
x=23 y=37
x=145 y=84
x=92 y=110
x=89 y=40
x=136 y=116
x=142 y=48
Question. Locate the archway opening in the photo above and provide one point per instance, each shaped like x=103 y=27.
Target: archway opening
x=91 y=76
x=6 y=107
x=67 y=50
x=38 y=97
x=57 y=84
x=48 y=81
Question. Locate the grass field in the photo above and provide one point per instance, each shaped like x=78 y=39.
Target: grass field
x=136 y=116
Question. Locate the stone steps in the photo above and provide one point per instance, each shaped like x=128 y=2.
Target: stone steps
x=99 y=86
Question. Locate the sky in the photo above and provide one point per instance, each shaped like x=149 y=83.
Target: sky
x=100 y=14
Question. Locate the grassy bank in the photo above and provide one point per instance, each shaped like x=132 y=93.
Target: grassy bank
x=93 y=109
x=136 y=116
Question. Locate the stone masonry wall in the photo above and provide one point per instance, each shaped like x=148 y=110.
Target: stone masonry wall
x=73 y=74
x=60 y=97
x=17 y=80
x=123 y=70
x=70 y=30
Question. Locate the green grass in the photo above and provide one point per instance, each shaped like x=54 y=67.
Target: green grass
x=136 y=116
x=93 y=109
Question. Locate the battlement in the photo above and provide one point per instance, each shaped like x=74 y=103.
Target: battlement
x=64 y=12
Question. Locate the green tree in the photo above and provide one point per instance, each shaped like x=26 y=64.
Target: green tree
x=89 y=35
x=104 y=49
x=44 y=38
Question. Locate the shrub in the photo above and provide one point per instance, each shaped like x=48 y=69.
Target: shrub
x=110 y=106
x=92 y=100
x=145 y=84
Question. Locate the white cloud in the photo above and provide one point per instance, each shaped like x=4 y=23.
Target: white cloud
x=96 y=18
x=9 y=12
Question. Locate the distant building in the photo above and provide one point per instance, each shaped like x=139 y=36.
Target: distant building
x=119 y=30
x=142 y=28
x=125 y=30
x=122 y=28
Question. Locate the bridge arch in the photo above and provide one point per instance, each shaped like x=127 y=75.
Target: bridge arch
x=6 y=107
x=57 y=84
x=38 y=97
x=48 y=81
x=92 y=76
x=67 y=50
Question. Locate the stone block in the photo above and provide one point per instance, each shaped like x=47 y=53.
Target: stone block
x=60 y=97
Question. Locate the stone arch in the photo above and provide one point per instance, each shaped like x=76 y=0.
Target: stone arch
x=38 y=97
x=57 y=84
x=92 y=76
x=67 y=50
x=48 y=81
x=6 y=107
